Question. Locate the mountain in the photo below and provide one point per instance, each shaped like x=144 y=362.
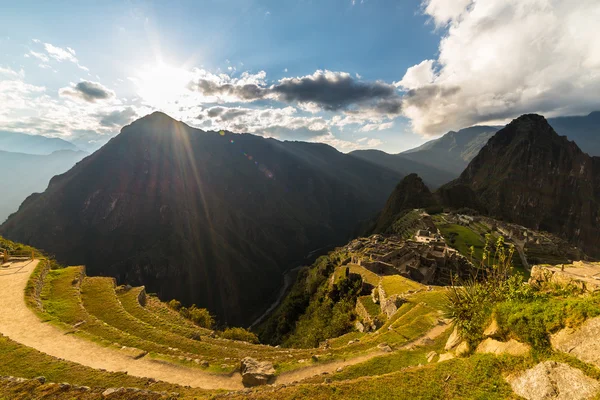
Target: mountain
x=24 y=174
x=211 y=218
x=453 y=151
x=433 y=177
x=584 y=130
x=409 y=194
x=530 y=175
x=32 y=144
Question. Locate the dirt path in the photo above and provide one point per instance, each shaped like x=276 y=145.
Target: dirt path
x=20 y=324
x=309 y=372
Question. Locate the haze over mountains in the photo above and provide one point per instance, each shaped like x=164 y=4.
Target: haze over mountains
x=28 y=162
x=207 y=218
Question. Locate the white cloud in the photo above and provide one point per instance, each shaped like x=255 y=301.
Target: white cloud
x=60 y=54
x=39 y=56
x=502 y=58
x=444 y=11
x=418 y=76
x=376 y=127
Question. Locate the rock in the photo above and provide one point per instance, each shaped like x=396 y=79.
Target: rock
x=315 y=358
x=327 y=380
x=205 y=364
x=359 y=326
x=552 y=380
x=453 y=340
x=340 y=369
x=582 y=343
x=462 y=349
x=384 y=347
x=40 y=379
x=134 y=353
x=511 y=347
x=446 y=357
x=255 y=373
x=431 y=355
x=109 y=391
x=492 y=330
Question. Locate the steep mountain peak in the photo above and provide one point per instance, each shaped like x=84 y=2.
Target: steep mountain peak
x=528 y=174
x=409 y=194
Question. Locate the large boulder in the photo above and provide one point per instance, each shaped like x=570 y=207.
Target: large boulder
x=511 y=347
x=256 y=373
x=582 y=342
x=552 y=380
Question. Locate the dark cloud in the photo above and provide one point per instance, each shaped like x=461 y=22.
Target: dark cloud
x=233 y=113
x=215 y=111
x=426 y=95
x=329 y=91
x=117 y=118
x=88 y=91
x=248 y=92
x=332 y=91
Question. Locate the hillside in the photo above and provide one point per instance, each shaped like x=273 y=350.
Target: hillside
x=583 y=130
x=453 y=151
x=434 y=177
x=24 y=174
x=530 y=175
x=205 y=217
x=32 y=144
x=409 y=194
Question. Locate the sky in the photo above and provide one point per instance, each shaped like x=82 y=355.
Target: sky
x=354 y=74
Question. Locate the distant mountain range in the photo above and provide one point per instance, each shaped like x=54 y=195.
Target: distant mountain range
x=528 y=174
x=24 y=174
x=32 y=144
x=206 y=217
x=441 y=160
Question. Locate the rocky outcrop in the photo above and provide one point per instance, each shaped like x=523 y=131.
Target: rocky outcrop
x=584 y=275
x=511 y=347
x=551 y=380
x=581 y=342
x=453 y=341
x=256 y=373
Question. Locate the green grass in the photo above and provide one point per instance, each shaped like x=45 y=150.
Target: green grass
x=396 y=284
x=62 y=304
x=368 y=276
x=477 y=377
x=373 y=309
x=25 y=362
x=129 y=301
x=533 y=321
x=462 y=238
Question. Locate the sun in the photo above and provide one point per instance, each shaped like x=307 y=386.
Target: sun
x=162 y=85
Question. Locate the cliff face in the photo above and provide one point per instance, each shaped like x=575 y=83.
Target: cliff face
x=530 y=175
x=409 y=194
x=204 y=217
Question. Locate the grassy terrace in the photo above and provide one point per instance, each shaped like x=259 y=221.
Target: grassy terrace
x=373 y=309
x=99 y=299
x=462 y=238
x=368 y=276
x=29 y=363
x=396 y=284
x=62 y=304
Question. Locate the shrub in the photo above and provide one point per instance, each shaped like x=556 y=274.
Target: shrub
x=201 y=317
x=174 y=305
x=471 y=304
x=239 y=334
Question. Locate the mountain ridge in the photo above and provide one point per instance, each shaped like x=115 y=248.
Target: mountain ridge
x=211 y=218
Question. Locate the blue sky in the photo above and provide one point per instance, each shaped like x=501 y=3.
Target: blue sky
x=355 y=74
